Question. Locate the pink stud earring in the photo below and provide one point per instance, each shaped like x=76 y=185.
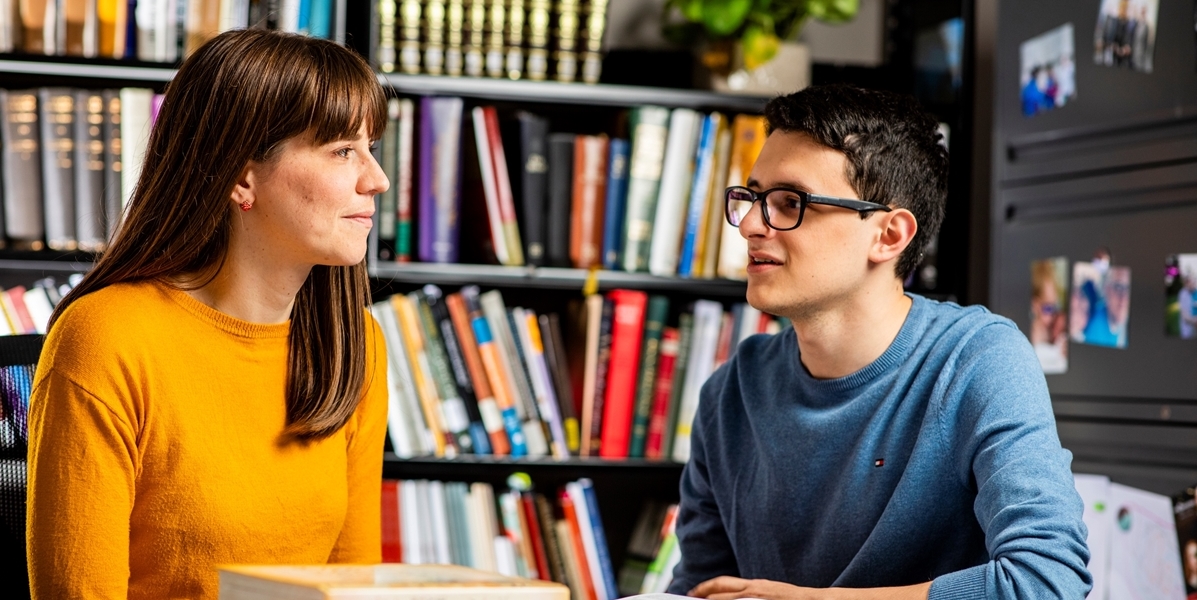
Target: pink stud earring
x=246 y=205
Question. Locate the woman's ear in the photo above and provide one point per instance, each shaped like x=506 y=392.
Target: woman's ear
x=245 y=188
x=897 y=230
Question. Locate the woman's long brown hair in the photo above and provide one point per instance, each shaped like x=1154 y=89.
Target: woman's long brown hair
x=235 y=100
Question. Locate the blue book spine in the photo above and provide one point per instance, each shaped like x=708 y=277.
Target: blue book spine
x=511 y=420
x=600 y=537
x=698 y=196
x=617 y=196
x=305 y=16
x=320 y=24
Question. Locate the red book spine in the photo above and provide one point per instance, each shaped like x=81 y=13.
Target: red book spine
x=662 y=390
x=575 y=534
x=535 y=532
x=723 y=349
x=627 y=330
x=392 y=547
x=17 y=296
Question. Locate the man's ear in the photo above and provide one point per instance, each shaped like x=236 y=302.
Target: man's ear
x=245 y=188
x=897 y=230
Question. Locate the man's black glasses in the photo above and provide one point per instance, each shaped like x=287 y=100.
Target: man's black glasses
x=783 y=208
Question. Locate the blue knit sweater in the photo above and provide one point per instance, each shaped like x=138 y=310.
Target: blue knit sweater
x=937 y=462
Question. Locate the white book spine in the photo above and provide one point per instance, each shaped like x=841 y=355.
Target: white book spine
x=288 y=20
x=574 y=490
x=409 y=518
x=676 y=178
x=440 y=524
x=39 y=307
x=404 y=418
x=481 y=541
x=91 y=28
x=707 y=319
x=135 y=137
x=750 y=320
x=490 y=189
x=8 y=24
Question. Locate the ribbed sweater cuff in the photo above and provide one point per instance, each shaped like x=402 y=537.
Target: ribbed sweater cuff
x=968 y=584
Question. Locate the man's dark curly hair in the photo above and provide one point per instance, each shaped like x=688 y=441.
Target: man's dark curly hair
x=892 y=145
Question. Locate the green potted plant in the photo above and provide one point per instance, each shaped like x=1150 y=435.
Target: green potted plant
x=738 y=39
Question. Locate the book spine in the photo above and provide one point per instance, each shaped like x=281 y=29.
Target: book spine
x=319 y=21
x=537 y=66
x=490 y=191
x=649 y=130
x=454 y=34
x=74 y=17
x=577 y=545
x=593 y=318
x=37 y=301
x=601 y=372
x=748 y=136
x=23 y=320
x=496 y=23
x=658 y=310
x=385 y=56
x=496 y=371
x=392 y=546
x=514 y=59
x=591 y=552
x=403 y=180
x=707 y=318
x=707 y=252
x=542 y=382
x=534 y=188
x=57 y=120
x=492 y=419
x=589 y=191
x=662 y=386
x=685 y=339
x=388 y=200
x=475 y=39
x=700 y=190
x=112 y=163
x=461 y=375
x=676 y=176
x=22 y=177
x=536 y=536
x=558 y=367
x=614 y=204
x=452 y=405
x=596 y=25
x=510 y=224
x=560 y=200
x=544 y=513
x=409 y=433
x=566 y=56
x=536 y=430
x=434 y=37
x=600 y=537
x=626 y=335
x=409 y=57
x=444 y=444
x=135 y=135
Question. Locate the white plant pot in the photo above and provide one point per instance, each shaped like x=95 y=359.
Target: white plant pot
x=787 y=72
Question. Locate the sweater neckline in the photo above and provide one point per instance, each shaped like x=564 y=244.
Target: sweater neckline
x=224 y=322
x=891 y=358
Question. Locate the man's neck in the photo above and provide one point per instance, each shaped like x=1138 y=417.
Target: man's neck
x=846 y=338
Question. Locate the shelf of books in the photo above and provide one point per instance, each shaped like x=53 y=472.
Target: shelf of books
x=552 y=278
x=77 y=69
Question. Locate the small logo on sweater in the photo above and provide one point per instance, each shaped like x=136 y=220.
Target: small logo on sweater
x=880 y=462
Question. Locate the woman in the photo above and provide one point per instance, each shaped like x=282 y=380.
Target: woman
x=213 y=391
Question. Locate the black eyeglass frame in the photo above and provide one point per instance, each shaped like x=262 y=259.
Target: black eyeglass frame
x=864 y=207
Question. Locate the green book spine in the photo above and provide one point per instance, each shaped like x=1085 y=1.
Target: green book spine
x=388 y=207
x=658 y=311
x=650 y=127
x=685 y=331
x=452 y=406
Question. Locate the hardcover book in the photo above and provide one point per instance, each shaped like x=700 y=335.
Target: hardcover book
x=334 y=582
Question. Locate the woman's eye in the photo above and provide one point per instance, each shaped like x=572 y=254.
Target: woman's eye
x=344 y=152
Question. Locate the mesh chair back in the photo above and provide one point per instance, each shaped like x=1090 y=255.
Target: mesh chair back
x=18 y=357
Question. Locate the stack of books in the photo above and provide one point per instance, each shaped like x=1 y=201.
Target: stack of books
x=148 y=30
x=70 y=159
x=653 y=202
x=515 y=39
x=519 y=533
x=615 y=378
x=27 y=309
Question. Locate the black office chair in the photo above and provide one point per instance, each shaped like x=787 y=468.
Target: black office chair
x=18 y=358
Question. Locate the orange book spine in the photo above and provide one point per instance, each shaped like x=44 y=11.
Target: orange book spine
x=491 y=419
x=589 y=198
x=575 y=537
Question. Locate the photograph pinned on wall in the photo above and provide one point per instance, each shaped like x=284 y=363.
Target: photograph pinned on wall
x=1180 y=296
x=1047 y=72
x=1125 y=34
x=1100 y=305
x=1049 y=318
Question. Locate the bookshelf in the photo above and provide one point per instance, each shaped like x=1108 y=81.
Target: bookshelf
x=550 y=278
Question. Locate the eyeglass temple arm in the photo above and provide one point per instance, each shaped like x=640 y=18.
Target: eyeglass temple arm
x=863 y=206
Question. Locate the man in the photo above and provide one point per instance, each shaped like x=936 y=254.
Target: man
x=888 y=441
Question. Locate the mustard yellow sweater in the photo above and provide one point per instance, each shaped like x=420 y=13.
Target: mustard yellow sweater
x=155 y=453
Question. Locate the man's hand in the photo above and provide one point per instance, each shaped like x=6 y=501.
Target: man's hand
x=729 y=588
